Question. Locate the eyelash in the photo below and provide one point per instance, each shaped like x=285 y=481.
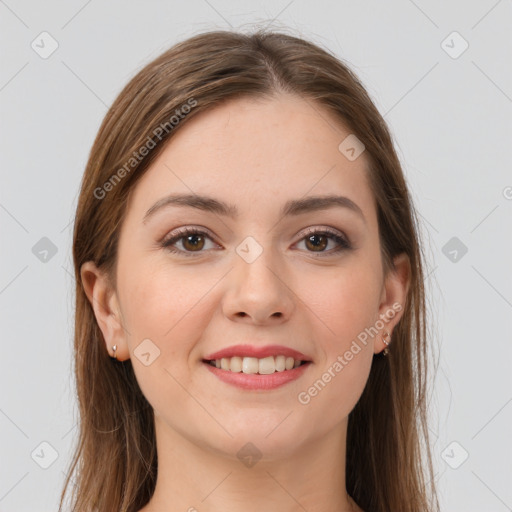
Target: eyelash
x=344 y=244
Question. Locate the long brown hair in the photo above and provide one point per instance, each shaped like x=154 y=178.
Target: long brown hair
x=389 y=465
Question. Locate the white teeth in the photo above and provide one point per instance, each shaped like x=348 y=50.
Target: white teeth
x=253 y=365
x=250 y=365
x=236 y=364
x=280 y=363
x=267 y=365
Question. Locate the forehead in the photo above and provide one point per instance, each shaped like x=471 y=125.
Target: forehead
x=257 y=154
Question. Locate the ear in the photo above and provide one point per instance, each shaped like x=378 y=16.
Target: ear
x=105 y=304
x=393 y=299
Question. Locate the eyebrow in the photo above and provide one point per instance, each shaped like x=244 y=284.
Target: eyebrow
x=291 y=208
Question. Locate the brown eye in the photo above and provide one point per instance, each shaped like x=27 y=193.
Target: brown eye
x=192 y=241
x=317 y=242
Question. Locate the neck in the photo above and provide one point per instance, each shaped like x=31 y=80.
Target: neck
x=196 y=479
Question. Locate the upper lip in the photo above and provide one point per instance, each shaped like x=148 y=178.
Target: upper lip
x=258 y=352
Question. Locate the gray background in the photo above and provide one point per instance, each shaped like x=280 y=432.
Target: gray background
x=450 y=113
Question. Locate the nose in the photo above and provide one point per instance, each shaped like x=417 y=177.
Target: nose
x=257 y=292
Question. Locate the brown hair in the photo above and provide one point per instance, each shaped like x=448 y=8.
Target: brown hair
x=389 y=464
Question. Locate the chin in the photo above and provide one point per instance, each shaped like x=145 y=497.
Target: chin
x=250 y=439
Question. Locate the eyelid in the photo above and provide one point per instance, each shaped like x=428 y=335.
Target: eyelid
x=185 y=230
x=343 y=241
x=339 y=237
x=191 y=228
x=324 y=229
x=179 y=233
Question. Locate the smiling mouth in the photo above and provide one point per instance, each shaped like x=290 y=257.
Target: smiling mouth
x=255 y=366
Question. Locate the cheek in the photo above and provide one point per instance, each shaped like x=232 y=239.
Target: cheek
x=166 y=308
x=347 y=310
x=171 y=308
x=158 y=301
x=345 y=300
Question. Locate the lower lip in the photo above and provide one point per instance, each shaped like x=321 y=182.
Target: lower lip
x=257 y=381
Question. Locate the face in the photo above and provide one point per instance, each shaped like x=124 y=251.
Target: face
x=309 y=280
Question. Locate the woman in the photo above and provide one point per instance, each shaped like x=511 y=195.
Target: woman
x=250 y=311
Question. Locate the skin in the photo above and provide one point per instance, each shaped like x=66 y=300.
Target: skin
x=255 y=155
